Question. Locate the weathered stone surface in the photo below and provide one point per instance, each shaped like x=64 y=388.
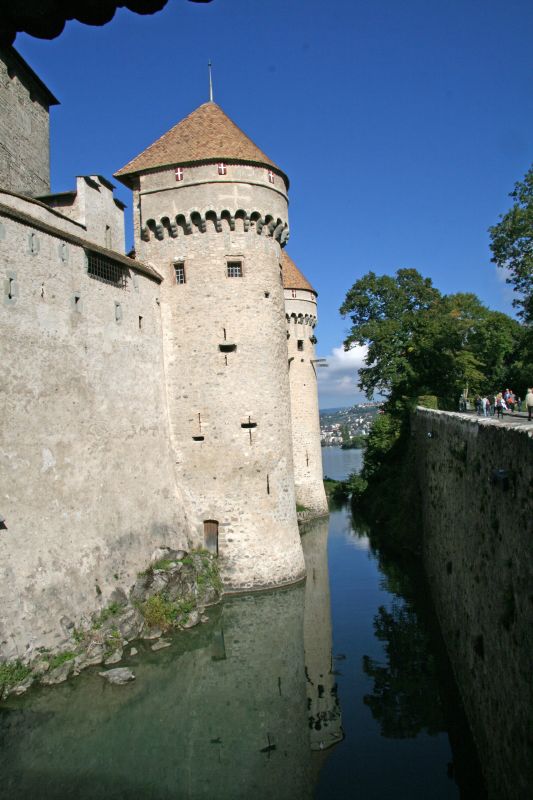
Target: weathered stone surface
x=194 y=619
x=479 y=562
x=161 y=644
x=133 y=651
x=23 y=686
x=94 y=655
x=151 y=633
x=59 y=674
x=130 y=623
x=118 y=676
x=115 y=657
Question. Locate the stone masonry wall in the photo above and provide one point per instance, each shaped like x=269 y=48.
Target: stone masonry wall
x=307 y=451
x=226 y=369
x=476 y=482
x=24 y=138
x=86 y=480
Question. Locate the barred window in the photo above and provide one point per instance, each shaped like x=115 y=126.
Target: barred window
x=106 y=270
x=234 y=269
x=179 y=269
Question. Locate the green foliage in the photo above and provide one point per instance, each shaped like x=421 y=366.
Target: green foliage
x=160 y=612
x=111 y=611
x=512 y=245
x=11 y=673
x=300 y=508
x=163 y=564
x=421 y=342
x=61 y=658
x=428 y=401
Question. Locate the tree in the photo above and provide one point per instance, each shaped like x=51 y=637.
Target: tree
x=512 y=245
x=421 y=342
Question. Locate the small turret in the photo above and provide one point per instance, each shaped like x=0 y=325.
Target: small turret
x=301 y=316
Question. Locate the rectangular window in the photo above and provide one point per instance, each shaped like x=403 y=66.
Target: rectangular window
x=234 y=269
x=179 y=269
x=106 y=270
x=293 y=292
x=222 y=169
x=178 y=173
x=270 y=176
x=300 y=344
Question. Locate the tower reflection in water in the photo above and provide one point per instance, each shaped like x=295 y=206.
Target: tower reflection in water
x=322 y=701
x=231 y=710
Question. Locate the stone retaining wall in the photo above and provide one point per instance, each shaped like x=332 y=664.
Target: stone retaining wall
x=476 y=481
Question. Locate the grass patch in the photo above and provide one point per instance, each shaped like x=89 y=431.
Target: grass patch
x=159 y=612
x=111 y=610
x=300 y=508
x=61 y=658
x=12 y=673
x=164 y=564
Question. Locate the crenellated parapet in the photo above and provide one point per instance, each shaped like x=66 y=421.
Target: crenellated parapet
x=173 y=226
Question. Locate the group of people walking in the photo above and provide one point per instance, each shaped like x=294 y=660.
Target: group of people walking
x=495 y=404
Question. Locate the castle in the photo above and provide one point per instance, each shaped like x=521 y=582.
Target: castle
x=166 y=398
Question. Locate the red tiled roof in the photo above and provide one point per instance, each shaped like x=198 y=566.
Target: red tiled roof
x=292 y=277
x=206 y=135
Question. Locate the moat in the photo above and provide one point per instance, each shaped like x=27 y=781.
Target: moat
x=329 y=690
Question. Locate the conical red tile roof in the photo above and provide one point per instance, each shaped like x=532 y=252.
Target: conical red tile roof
x=206 y=135
x=292 y=277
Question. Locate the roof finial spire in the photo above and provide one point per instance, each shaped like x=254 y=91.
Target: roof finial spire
x=210 y=82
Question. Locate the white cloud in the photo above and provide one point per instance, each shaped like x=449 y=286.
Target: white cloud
x=337 y=383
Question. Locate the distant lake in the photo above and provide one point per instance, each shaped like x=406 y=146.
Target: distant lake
x=338 y=463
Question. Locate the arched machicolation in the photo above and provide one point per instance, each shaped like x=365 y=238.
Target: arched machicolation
x=214 y=221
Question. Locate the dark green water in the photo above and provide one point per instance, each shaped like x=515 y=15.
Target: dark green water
x=304 y=693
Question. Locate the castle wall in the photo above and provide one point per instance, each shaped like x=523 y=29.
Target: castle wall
x=94 y=206
x=476 y=489
x=242 y=477
x=307 y=452
x=24 y=133
x=86 y=481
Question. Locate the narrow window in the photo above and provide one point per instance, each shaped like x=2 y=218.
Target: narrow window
x=300 y=344
x=179 y=269
x=198 y=438
x=227 y=348
x=211 y=535
x=118 y=312
x=76 y=302
x=270 y=176
x=178 y=173
x=222 y=169
x=268 y=484
x=140 y=322
x=234 y=269
x=10 y=285
x=293 y=292
x=108 y=239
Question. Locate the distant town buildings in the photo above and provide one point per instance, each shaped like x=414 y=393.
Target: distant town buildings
x=338 y=426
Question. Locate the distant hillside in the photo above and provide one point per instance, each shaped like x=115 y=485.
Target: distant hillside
x=340 y=425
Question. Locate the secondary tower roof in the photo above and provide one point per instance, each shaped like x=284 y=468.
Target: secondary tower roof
x=206 y=135
x=292 y=277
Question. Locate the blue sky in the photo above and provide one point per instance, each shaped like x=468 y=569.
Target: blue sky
x=403 y=126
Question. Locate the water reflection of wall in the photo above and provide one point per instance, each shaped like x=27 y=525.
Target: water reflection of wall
x=220 y=714
x=325 y=722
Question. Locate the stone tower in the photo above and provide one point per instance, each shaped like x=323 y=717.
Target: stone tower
x=301 y=316
x=210 y=214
